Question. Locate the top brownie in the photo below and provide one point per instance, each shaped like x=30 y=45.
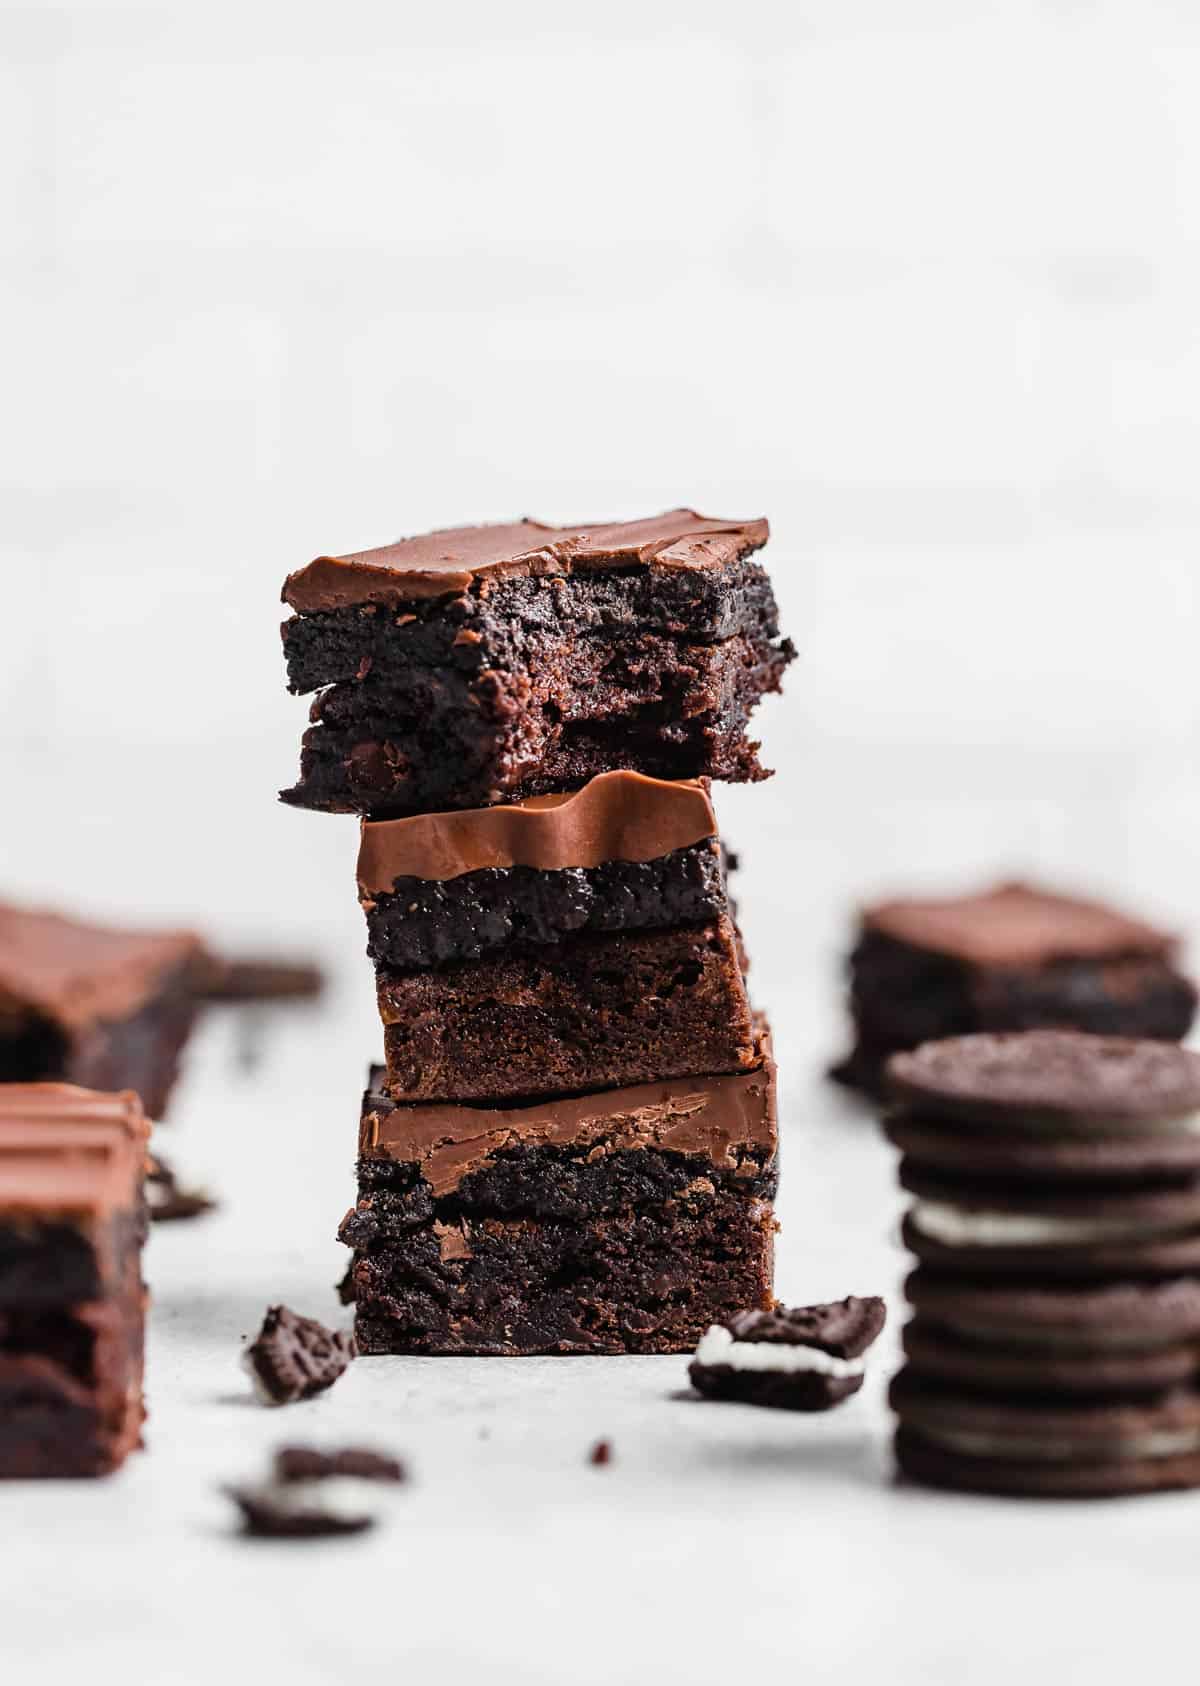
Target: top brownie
x=485 y=664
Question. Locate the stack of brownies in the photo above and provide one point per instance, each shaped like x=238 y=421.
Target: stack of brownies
x=571 y=1146
x=1056 y=1223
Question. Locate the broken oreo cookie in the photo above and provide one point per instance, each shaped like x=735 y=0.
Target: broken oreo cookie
x=295 y=1357
x=806 y=1359
x=312 y=1494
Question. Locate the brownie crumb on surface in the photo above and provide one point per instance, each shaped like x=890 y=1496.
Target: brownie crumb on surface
x=806 y=1359
x=166 y=1201
x=295 y=1357
x=313 y=1494
x=601 y=1453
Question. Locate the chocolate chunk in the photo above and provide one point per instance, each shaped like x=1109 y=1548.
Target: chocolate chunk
x=166 y=1201
x=806 y=1359
x=295 y=1357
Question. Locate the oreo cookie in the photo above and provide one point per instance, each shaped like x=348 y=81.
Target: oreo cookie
x=806 y=1359
x=1055 y=1346
x=1050 y=1153
x=951 y=1438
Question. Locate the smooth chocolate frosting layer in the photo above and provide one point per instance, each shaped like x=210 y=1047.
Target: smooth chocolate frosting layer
x=716 y=1118
x=448 y=560
x=1016 y=925
x=69 y=1150
x=619 y=816
x=76 y=973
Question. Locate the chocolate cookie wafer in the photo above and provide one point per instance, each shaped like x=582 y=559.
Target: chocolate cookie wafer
x=1055 y=1346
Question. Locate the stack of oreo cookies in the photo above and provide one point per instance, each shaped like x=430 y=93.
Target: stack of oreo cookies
x=1055 y=1343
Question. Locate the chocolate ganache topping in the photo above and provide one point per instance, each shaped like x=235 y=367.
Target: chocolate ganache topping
x=437 y=564
x=619 y=816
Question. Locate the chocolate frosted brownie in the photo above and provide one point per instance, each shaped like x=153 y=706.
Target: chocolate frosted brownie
x=625 y=853
x=102 y=1008
x=625 y=1221
x=562 y=944
x=72 y=1223
x=482 y=664
x=1011 y=958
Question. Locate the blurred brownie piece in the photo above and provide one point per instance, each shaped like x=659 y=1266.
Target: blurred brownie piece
x=72 y=1302
x=561 y=944
x=1011 y=958
x=486 y=664
x=249 y=980
x=624 y=1221
x=104 y=1008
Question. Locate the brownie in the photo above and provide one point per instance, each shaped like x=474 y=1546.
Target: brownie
x=565 y=943
x=487 y=664
x=102 y=1008
x=1010 y=958
x=623 y=1221
x=72 y=1302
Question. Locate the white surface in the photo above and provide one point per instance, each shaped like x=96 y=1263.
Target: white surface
x=919 y=282
x=721 y=1540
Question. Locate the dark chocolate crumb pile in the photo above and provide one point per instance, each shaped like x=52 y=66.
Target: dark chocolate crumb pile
x=295 y=1357
x=313 y=1495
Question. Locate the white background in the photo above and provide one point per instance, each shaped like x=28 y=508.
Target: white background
x=917 y=281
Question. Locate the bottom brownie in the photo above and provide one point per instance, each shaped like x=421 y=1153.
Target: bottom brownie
x=638 y=1281
x=624 y=1221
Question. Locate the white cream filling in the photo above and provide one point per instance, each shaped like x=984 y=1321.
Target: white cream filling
x=963 y=1226
x=256 y=1381
x=719 y=1347
x=1032 y=1449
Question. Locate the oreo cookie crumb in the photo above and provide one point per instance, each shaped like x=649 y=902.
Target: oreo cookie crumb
x=295 y=1357
x=805 y=1359
x=314 y=1495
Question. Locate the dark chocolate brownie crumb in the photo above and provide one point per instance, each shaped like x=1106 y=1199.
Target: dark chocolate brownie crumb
x=166 y=1201
x=601 y=1453
x=295 y=1357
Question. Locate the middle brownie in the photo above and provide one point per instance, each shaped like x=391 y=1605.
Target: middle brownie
x=556 y=945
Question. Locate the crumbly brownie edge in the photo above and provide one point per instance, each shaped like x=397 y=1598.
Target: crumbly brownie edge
x=645 y=1281
x=490 y=623
x=427 y=923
